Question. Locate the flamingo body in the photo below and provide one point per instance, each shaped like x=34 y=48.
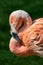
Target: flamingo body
x=30 y=34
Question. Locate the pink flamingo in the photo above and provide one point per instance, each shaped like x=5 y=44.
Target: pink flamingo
x=27 y=38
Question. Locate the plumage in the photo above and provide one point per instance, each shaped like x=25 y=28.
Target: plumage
x=31 y=34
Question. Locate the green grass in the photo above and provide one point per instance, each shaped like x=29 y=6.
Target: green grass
x=35 y=9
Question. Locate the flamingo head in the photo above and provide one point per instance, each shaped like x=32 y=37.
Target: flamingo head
x=19 y=21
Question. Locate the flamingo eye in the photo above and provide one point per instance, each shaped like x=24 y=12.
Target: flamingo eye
x=21 y=25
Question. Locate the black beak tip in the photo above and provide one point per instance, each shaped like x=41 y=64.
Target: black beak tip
x=16 y=37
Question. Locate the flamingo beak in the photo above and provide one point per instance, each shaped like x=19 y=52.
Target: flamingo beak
x=15 y=36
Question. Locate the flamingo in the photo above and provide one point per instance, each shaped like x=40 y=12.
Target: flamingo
x=27 y=37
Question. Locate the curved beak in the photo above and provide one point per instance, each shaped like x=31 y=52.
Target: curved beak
x=15 y=36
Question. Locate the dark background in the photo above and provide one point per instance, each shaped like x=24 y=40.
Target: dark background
x=35 y=9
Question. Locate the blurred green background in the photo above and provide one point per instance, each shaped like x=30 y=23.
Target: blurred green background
x=35 y=9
